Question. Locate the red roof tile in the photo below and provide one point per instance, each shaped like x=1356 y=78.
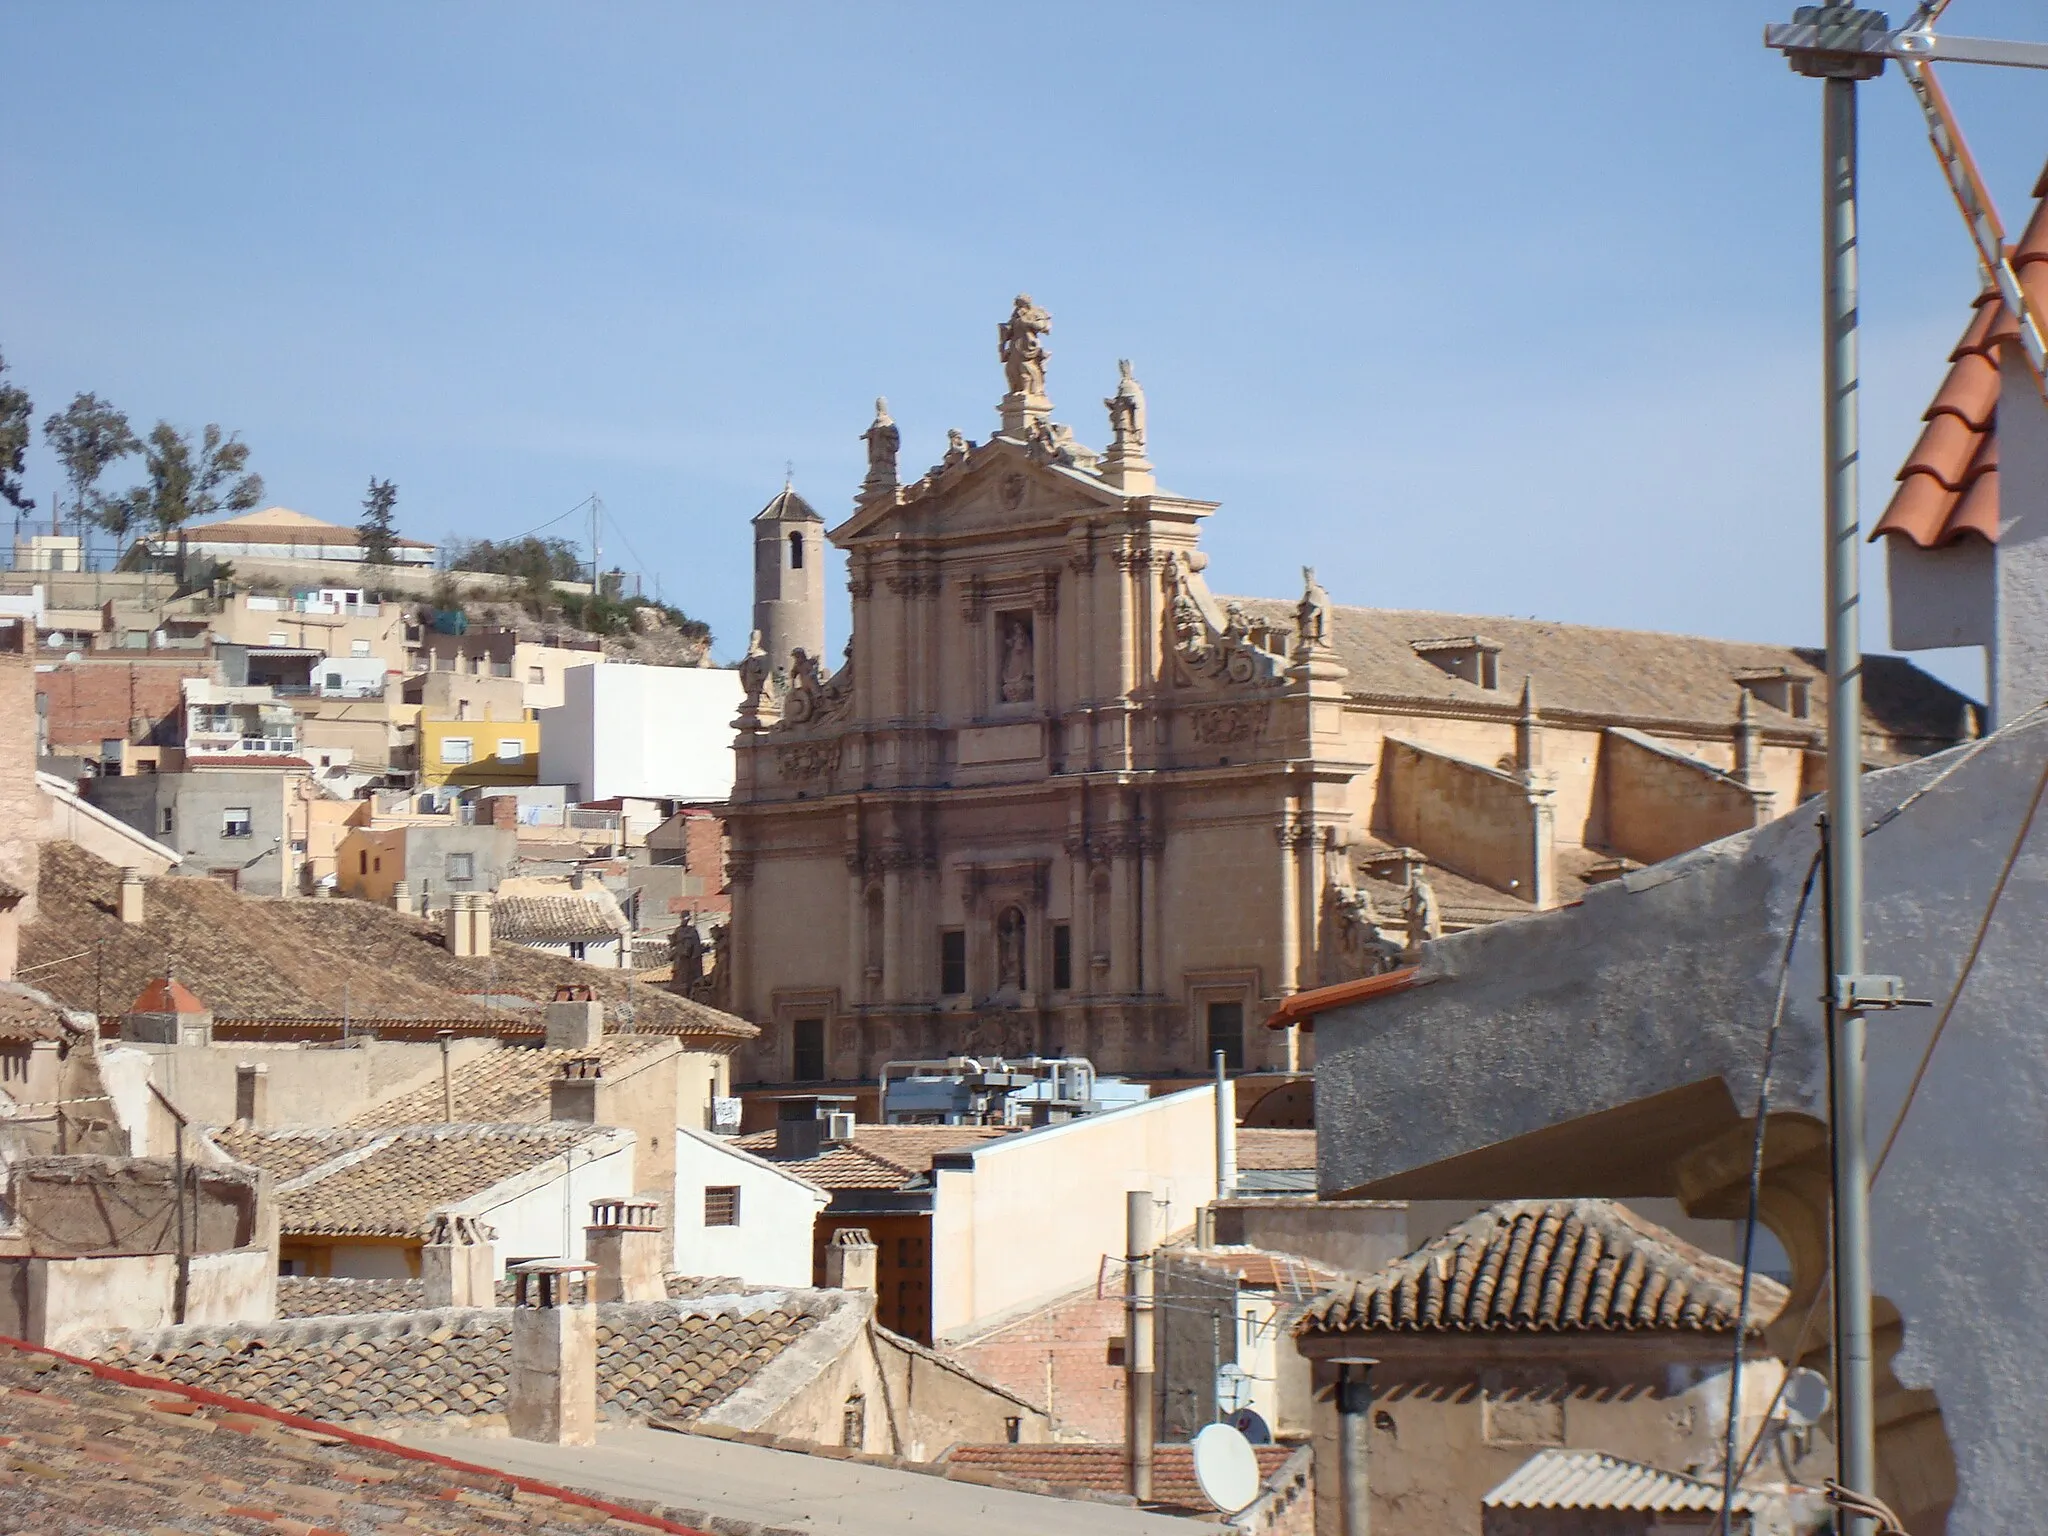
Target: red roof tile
x=1101 y=1467
x=164 y=995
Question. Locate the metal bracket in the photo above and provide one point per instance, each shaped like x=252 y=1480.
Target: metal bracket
x=1865 y=994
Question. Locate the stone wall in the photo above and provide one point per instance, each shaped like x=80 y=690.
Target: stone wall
x=1656 y=802
x=1355 y=1236
x=1475 y=820
x=82 y=1205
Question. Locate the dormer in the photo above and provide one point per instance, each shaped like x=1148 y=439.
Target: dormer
x=1473 y=658
x=1783 y=689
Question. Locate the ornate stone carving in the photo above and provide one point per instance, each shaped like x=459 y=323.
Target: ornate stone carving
x=1013 y=488
x=739 y=868
x=1225 y=725
x=1208 y=647
x=1126 y=415
x=759 y=686
x=1420 y=912
x=957 y=447
x=1010 y=930
x=806 y=760
x=1046 y=599
x=686 y=959
x=812 y=698
x=883 y=440
x=719 y=993
x=1017 y=678
x=1020 y=345
x=1353 y=943
x=1311 y=614
x=973 y=599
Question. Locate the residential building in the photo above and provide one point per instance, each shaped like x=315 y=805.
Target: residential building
x=435 y=857
x=237 y=819
x=499 y=650
x=741 y=1215
x=660 y=733
x=1006 y=819
x=1572 y=1324
x=237 y=726
x=683 y=879
x=279 y=533
x=337 y=623
x=474 y=733
x=95 y=706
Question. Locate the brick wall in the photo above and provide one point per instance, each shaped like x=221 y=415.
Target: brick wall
x=1068 y=1342
x=24 y=815
x=93 y=701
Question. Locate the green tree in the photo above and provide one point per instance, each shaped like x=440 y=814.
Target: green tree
x=14 y=419
x=188 y=480
x=377 y=529
x=87 y=436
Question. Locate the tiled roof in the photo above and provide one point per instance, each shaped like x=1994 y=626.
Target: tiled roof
x=1948 y=486
x=1614 y=676
x=551 y=920
x=389 y=1183
x=1101 y=1467
x=1555 y=1479
x=879 y=1156
x=322 y=1296
x=80 y=1452
x=1260 y=1148
x=27 y=1015
x=510 y=1084
x=297 y=967
x=1261 y=1270
x=1529 y=1266
x=672 y=1359
x=166 y=995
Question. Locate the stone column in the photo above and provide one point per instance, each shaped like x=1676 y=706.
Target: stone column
x=1308 y=893
x=624 y=1241
x=1152 y=906
x=854 y=986
x=554 y=1357
x=894 y=899
x=1287 y=951
x=1123 y=914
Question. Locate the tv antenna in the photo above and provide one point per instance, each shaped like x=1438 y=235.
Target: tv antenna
x=1841 y=45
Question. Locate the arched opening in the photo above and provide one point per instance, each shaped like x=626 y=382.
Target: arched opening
x=796 y=551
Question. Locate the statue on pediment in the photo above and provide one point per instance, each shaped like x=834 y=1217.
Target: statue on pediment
x=686 y=959
x=1354 y=943
x=1019 y=345
x=1127 y=413
x=1312 y=613
x=1420 y=910
x=883 y=441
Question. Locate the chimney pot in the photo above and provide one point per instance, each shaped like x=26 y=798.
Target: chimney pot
x=624 y=1241
x=575 y=1020
x=554 y=1356
x=129 y=902
x=850 y=1260
x=458 y=1265
x=574 y=1094
x=401 y=895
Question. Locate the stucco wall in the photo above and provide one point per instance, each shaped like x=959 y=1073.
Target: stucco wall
x=1033 y=1216
x=541 y=1215
x=1656 y=802
x=307 y=1084
x=660 y=732
x=2020 y=663
x=771 y=1245
x=1472 y=819
x=1356 y=1236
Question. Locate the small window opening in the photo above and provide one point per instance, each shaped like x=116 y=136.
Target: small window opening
x=796 y=551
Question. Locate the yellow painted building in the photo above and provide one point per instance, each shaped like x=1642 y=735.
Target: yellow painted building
x=485 y=752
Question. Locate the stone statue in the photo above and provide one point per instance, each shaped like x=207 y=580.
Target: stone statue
x=1421 y=914
x=1127 y=413
x=1018 y=679
x=755 y=668
x=883 y=440
x=1354 y=944
x=1010 y=950
x=686 y=959
x=1023 y=353
x=1312 y=613
x=956 y=445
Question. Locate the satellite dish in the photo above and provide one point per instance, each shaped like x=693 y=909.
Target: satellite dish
x=1227 y=1468
x=1246 y=1422
x=1805 y=1397
x=1233 y=1389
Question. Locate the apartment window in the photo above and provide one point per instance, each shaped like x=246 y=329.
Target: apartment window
x=234 y=821
x=359 y=647
x=334 y=679
x=501 y=669
x=721 y=1205
x=461 y=866
x=796 y=551
x=363 y=862
x=511 y=750
x=953 y=961
x=165 y=821
x=456 y=749
x=1226 y=1033
x=1062 y=956
x=536 y=674
x=462 y=709
x=807 y=1051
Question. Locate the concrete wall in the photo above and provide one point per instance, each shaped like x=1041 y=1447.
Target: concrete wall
x=100 y=834
x=1473 y=819
x=771 y=1245
x=1941 y=597
x=2019 y=662
x=261 y=862
x=78 y=1204
x=659 y=732
x=1355 y=1236
x=1030 y=1217
x=1656 y=802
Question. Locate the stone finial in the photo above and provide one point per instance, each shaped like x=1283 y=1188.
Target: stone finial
x=1020 y=345
x=883 y=440
x=1528 y=732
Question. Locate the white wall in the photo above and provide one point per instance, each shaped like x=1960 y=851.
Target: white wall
x=658 y=732
x=1038 y=1212
x=542 y=1214
x=772 y=1243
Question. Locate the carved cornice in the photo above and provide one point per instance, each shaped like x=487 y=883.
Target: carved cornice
x=739 y=867
x=1224 y=725
x=804 y=760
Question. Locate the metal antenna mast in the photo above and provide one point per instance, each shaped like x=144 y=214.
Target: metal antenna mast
x=1841 y=45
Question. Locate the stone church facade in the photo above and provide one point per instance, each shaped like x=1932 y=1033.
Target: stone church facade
x=1061 y=798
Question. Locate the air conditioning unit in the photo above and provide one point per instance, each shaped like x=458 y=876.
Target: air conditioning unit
x=839 y=1125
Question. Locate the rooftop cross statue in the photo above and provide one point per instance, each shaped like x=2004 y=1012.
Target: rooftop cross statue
x=1020 y=348
x=883 y=440
x=1312 y=613
x=1127 y=412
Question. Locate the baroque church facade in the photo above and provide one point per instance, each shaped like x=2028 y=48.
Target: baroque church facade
x=1060 y=798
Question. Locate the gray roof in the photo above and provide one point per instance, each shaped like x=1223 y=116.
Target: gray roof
x=787 y=507
x=1557 y=1479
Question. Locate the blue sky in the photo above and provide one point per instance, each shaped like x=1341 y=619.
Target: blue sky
x=1491 y=314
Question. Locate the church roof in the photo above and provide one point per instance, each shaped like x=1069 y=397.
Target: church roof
x=787 y=507
x=1948 y=486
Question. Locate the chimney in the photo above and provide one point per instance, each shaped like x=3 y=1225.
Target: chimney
x=554 y=1355
x=573 y=1095
x=457 y=1264
x=480 y=921
x=624 y=1241
x=1748 y=741
x=575 y=1020
x=460 y=934
x=128 y=903
x=252 y=1095
x=1353 y=1391
x=850 y=1260
x=401 y=895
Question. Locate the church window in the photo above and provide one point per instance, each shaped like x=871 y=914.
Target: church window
x=1062 y=956
x=796 y=551
x=952 y=962
x=1226 y=1033
x=807 y=1051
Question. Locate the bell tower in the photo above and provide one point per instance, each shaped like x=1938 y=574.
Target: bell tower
x=789 y=579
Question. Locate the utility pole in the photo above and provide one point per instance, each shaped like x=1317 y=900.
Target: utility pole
x=1139 y=1242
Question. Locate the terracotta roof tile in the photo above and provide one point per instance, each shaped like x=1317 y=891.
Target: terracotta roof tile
x=80 y=1452
x=28 y=1015
x=666 y=1358
x=334 y=1296
x=166 y=995
x=296 y=968
x=1260 y=1148
x=1547 y=1266
x=879 y=1157
x=551 y=920
x=390 y=1183
x=1101 y=1467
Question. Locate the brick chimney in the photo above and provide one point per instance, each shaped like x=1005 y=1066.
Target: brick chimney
x=128 y=901
x=252 y=1095
x=457 y=1263
x=850 y=1260
x=624 y=1241
x=574 y=1095
x=575 y=1020
x=554 y=1355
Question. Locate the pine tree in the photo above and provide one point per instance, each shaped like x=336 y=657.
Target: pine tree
x=378 y=529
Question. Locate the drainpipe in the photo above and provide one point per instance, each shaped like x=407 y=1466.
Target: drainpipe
x=1354 y=1425
x=1138 y=1244
x=1226 y=1133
